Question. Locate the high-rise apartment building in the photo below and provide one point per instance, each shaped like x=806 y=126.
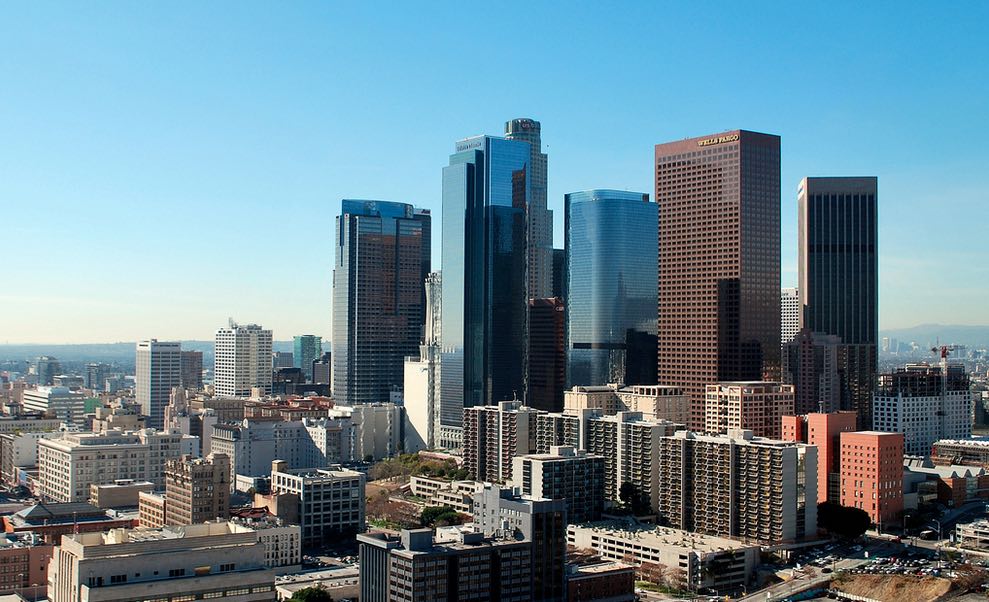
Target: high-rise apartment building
x=655 y=402
x=926 y=403
x=158 y=368
x=719 y=261
x=872 y=474
x=838 y=274
x=547 y=355
x=739 y=486
x=242 y=360
x=486 y=193
x=192 y=370
x=493 y=436
x=307 y=348
x=754 y=406
x=540 y=219
x=382 y=260
x=197 y=490
x=456 y=565
x=789 y=314
x=563 y=474
x=611 y=273
x=824 y=432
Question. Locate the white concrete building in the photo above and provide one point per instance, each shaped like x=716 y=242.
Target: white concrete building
x=707 y=561
x=67 y=405
x=925 y=403
x=69 y=465
x=282 y=542
x=331 y=501
x=789 y=314
x=10 y=424
x=377 y=430
x=421 y=385
x=193 y=562
x=158 y=368
x=20 y=450
x=242 y=360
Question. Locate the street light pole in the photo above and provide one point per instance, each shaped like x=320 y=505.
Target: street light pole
x=938 y=542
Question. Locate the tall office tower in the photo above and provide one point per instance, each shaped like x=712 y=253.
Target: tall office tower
x=925 y=403
x=382 y=260
x=818 y=366
x=789 y=314
x=493 y=435
x=754 y=406
x=872 y=474
x=485 y=287
x=838 y=274
x=611 y=281
x=158 y=368
x=540 y=218
x=282 y=359
x=822 y=431
x=192 y=370
x=96 y=376
x=197 y=490
x=739 y=486
x=719 y=261
x=242 y=360
x=547 y=355
x=421 y=388
x=560 y=274
x=307 y=349
x=47 y=367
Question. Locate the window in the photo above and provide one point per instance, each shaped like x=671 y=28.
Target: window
x=226 y=567
x=118 y=578
x=176 y=572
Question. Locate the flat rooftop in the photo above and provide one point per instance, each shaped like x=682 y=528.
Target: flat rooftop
x=662 y=537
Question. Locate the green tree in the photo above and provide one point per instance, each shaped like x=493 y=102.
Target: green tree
x=440 y=516
x=317 y=593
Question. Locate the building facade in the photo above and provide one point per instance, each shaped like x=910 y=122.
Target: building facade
x=421 y=389
x=193 y=562
x=719 y=261
x=192 y=370
x=547 y=355
x=540 y=219
x=754 y=406
x=611 y=275
x=158 y=368
x=307 y=348
x=64 y=404
x=486 y=195
x=789 y=314
x=739 y=486
x=493 y=436
x=330 y=501
x=382 y=260
x=563 y=474
x=872 y=474
x=197 y=490
x=926 y=403
x=838 y=273
x=242 y=360
x=824 y=432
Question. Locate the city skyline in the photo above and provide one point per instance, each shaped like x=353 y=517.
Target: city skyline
x=151 y=131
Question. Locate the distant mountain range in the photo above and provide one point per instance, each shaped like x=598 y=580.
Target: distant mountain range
x=107 y=352
x=946 y=334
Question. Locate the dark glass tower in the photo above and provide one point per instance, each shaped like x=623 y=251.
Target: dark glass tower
x=382 y=260
x=719 y=261
x=838 y=274
x=485 y=284
x=611 y=274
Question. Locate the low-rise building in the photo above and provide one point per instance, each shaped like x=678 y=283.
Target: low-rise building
x=973 y=451
x=19 y=451
x=51 y=521
x=151 y=510
x=974 y=535
x=192 y=562
x=282 y=541
x=707 y=561
x=330 y=500
x=122 y=493
x=69 y=465
x=61 y=402
x=24 y=559
x=197 y=489
x=601 y=582
x=29 y=422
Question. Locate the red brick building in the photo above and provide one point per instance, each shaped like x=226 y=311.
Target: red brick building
x=871 y=469
x=822 y=430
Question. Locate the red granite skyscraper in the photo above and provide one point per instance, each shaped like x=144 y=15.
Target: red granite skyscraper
x=719 y=261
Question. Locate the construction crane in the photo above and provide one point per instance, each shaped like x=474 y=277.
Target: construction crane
x=943 y=350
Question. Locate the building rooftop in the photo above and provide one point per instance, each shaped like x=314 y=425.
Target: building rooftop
x=24 y=539
x=665 y=537
x=974 y=441
x=142 y=534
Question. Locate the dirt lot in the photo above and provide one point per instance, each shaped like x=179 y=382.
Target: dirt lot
x=895 y=588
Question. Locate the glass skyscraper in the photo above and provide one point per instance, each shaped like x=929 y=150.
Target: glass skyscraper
x=307 y=349
x=611 y=271
x=382 y=260
x=485 y=285
x=540 y=220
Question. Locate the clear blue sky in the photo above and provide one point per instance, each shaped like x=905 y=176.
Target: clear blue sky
x=166 y=165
